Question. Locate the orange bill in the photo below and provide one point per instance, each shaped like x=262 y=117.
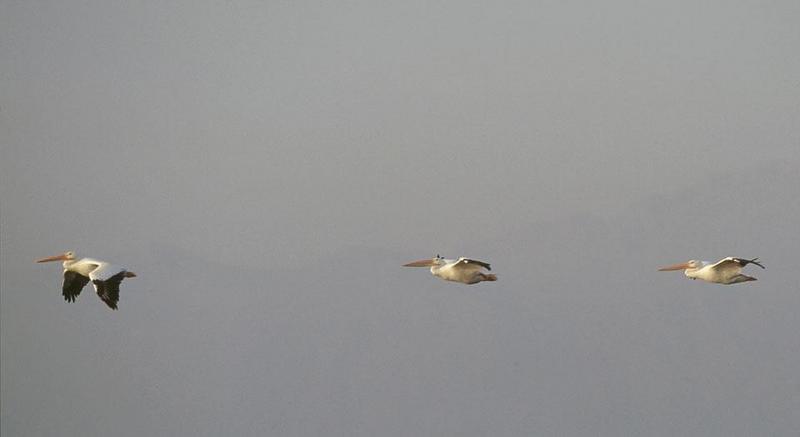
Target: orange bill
x=52 y=258
x=681 y=266
x=420 y=263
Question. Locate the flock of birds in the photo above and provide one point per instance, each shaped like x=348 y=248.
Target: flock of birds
x=106 y=277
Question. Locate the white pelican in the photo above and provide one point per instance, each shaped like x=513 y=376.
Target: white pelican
x=468 y=271
x=725 y=271
x=104 y=276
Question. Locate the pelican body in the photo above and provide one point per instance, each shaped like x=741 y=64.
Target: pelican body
x=725 y=271
x=77 y=273
x=464 y=270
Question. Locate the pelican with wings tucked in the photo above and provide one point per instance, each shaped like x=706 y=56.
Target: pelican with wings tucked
x=725 y=271
x=104 y=276
x=464 y=270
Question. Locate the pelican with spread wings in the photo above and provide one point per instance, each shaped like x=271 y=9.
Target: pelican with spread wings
x=78 y=272
x=725 y=271
x=464 y=270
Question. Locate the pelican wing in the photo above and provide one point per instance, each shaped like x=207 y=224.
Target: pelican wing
x=108 y=290
x=106 y=279
x=73 y=284
x=734 y=265
x=466 y=262
x=104 y=271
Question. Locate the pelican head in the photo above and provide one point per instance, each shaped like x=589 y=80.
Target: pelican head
x=435 y=261
x=66 y=256
x=688 y=265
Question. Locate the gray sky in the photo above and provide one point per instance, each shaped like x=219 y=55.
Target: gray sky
x=265 y=168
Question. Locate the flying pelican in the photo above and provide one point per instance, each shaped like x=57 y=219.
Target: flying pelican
x=463 y=270
x=725 y=271
x=104 y=276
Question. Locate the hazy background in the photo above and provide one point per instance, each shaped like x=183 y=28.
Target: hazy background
x=265 y=168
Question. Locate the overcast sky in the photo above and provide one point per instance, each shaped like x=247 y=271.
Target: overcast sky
x=266 y=167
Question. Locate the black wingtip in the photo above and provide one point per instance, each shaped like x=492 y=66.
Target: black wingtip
x=755 y=261
x=745 y=262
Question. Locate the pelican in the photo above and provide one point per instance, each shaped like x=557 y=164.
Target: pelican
x=725 y=271
x=104 y=276
x=465 y=270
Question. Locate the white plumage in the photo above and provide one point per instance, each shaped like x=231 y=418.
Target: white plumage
x=464 y=270
x=105 y=277
x=725 y=271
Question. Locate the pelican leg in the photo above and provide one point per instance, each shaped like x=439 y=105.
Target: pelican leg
x=487 y=277
x=742 y=278
x=480 y=277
